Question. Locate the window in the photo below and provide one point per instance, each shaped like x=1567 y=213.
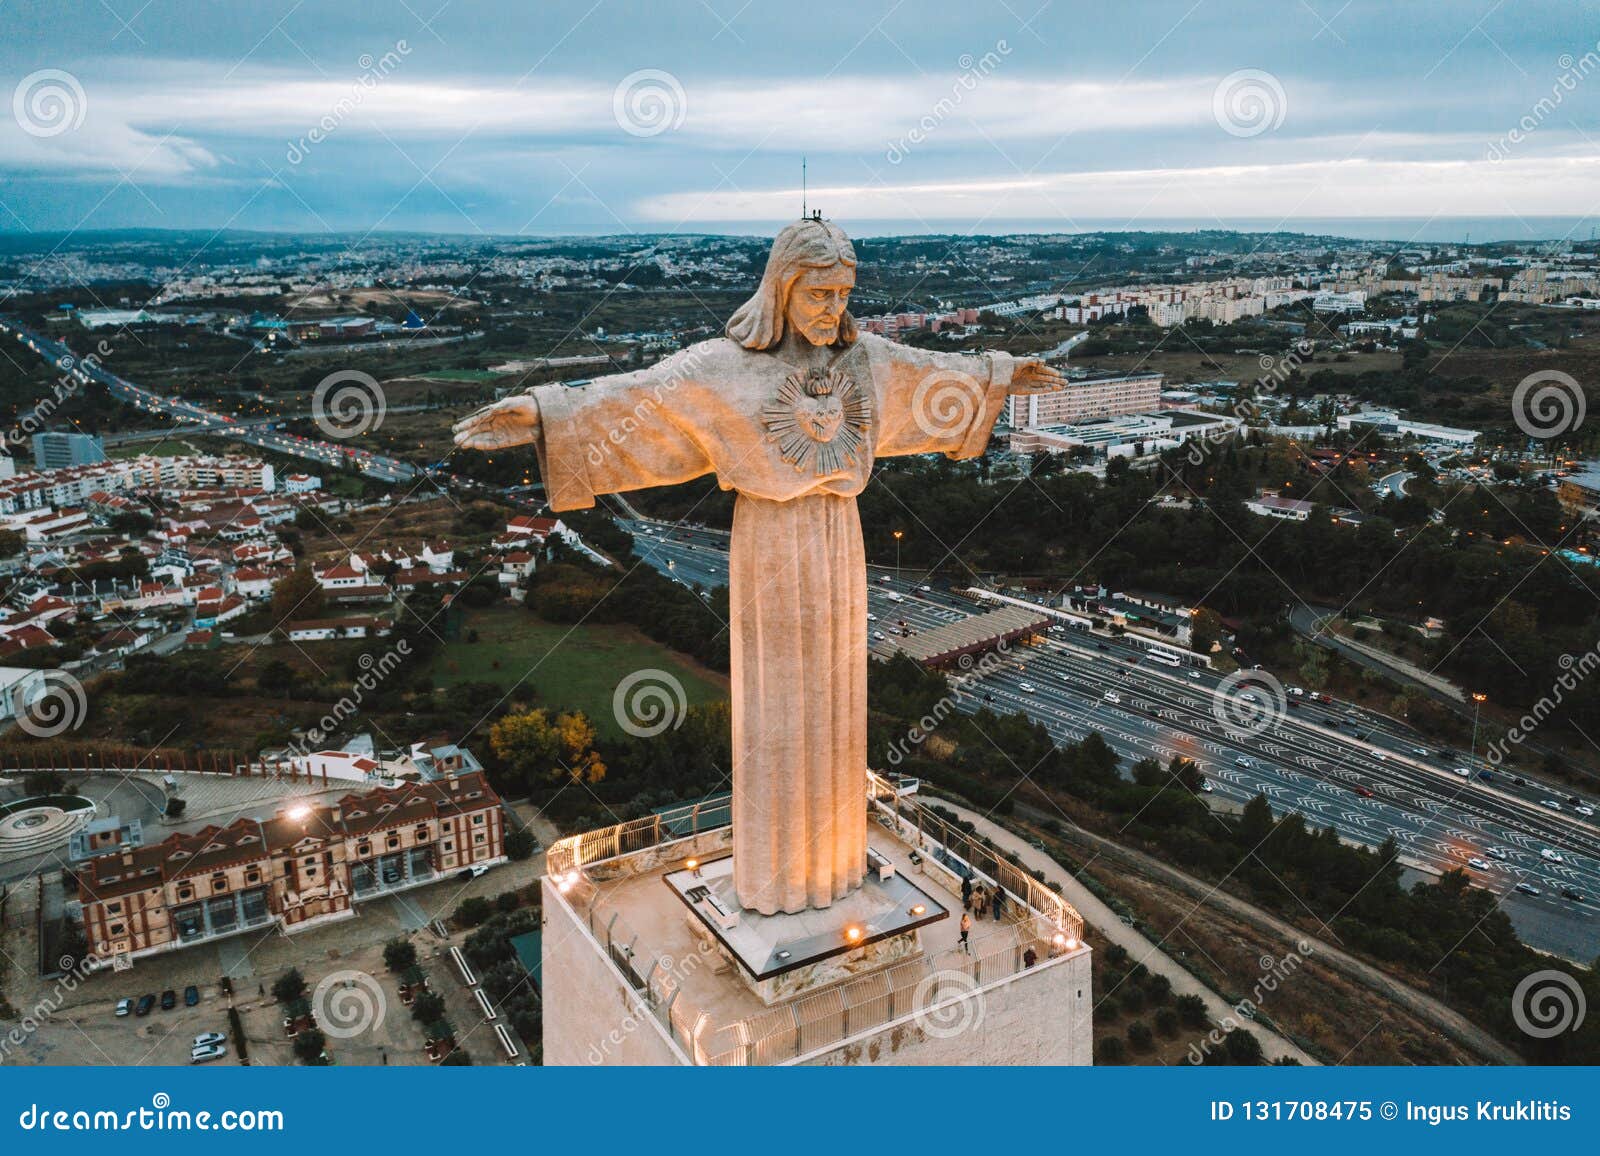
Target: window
x=185 y=894
x=477 y=820
x=363 y=849
x=449 y=845
x=311 y=872
x=252 y=877
x=116 y=929
x=219 y=883
x=392 y=842
x=114 y=908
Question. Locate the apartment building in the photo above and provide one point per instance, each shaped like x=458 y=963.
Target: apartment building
x=309 y=864
x=1089 y=398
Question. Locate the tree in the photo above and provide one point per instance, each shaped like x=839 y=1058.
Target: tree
x=427 y=1007
x=472 y=911
x=309 y=1046
x=1191 y=1010
x=276 y=677
x=456 y=1058
x=399 y=954
x=1140 y=1036
x=519 y=844
x=537 y=749
x=296 y=595
x=1205 y=629
x=1111 y=1050
x=289 y=986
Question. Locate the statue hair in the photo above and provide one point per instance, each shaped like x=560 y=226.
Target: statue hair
x=810 y=243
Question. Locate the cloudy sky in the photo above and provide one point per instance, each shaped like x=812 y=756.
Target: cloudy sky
x=508 y=116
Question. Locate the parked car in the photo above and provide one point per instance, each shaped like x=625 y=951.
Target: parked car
x=206 y=1039
x=1205 y=785
x=169 y=1000
x=1528 y=889
x=146 y=1002
x=191 y=996
x=124 y=1006
x=206 y=1054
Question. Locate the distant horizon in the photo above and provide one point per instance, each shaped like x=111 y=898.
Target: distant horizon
x=1437 y=230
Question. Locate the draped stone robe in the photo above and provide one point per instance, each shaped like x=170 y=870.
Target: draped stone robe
x=797 y=573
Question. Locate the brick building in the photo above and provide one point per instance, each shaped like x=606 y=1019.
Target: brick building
x=311 y=863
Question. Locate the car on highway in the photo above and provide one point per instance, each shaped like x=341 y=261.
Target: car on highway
x=1194 y=674
x=872 y=617
x=879 y=636
x=1420 y=751
x=1112 y=696
x=1528 y=889
x=1496 y=853
x=1205 y=785
x=1479 y=864
x=206 y=1039
x=926 y=589
x=1550 y=855
x=1585 y=810
x=1551 y=803
x=1486 y=776
x=1463 y=772
x=883 y=578
x=146 y=1002
x=1572 y=893
x=1029 y=688
x=124 y=1006
x=1242 y=761
x=169 y=1000
x=1364 y=792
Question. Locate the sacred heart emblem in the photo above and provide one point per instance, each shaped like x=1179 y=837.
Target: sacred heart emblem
x=818 y=418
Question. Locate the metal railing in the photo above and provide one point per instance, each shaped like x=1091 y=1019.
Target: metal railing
x=1036 y=918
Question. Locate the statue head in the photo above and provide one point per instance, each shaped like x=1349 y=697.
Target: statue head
x=806 y=286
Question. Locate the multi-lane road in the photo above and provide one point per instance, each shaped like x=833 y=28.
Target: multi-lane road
x=1367 y=776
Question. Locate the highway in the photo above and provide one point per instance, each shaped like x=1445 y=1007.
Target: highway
x=78 y=372
x=1366 y=775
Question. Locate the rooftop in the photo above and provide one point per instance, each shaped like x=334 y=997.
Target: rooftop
x=640 y=913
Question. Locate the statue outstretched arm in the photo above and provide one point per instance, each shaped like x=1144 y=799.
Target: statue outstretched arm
x=947 y=402
x=623 y=432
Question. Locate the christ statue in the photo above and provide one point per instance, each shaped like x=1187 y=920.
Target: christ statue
x=788 y=409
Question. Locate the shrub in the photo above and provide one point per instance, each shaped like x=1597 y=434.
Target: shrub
x=1111 y=1050
x=1167 y=1022
x=1140 y=1037
x=427 y=1007
x=1158 y=989
x=289 y=986
x=1132 y=998
x=1192 y=1011
x=473 y=911
x=519 y=845
x=399 y=954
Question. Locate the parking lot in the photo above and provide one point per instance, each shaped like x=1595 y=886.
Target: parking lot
x=77 y=1023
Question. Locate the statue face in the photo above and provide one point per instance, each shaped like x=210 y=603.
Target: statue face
x=817 y=300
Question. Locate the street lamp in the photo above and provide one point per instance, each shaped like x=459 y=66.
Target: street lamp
x=898 y=534
x=1477 y=704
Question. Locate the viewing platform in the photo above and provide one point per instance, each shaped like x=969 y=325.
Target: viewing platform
x=648 y=960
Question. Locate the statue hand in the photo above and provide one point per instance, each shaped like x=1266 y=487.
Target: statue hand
x=513 y=421
x=1035 y=377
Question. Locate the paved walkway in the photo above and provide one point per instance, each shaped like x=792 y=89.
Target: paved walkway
x=1110 y=925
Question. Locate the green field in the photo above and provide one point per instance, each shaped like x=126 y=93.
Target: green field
x=565 y=666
